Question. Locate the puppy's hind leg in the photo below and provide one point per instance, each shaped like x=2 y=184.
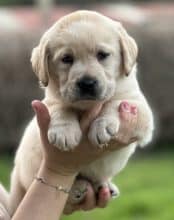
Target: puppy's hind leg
x=16 y=194
x=4 y=215
x=4 y=196
x=113 y=189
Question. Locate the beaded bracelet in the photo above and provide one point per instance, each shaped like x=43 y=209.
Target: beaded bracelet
x=58 y=187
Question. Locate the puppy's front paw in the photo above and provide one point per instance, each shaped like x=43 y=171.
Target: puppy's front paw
x=103 y=129
x=66 y=136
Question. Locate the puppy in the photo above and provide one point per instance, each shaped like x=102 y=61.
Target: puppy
x=83 y=59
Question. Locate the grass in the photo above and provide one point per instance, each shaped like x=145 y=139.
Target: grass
x=6 y=164
x=147 y=191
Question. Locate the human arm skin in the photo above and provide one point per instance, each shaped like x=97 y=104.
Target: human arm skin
x=43 y=202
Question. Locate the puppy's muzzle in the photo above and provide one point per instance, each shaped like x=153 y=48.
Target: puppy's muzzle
x=88 y=87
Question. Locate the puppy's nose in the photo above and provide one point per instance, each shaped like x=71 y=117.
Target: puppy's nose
x=88 y=86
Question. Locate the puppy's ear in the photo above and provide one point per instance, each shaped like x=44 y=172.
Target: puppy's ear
x=39 y=60
x=129 y=50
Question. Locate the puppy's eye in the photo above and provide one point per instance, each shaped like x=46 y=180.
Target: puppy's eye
x=101 y=55
x=67 y=59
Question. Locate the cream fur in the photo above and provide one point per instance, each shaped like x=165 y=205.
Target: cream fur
x=4 y=198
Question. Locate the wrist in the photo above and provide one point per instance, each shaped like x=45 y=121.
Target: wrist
x=59 y=168
x=55 y=177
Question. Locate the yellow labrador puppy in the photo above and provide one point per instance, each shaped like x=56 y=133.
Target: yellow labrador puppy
x=83 y=59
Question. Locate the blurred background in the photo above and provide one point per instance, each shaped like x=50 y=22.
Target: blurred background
x=147 y=184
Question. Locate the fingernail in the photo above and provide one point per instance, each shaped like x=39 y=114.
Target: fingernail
x=104 y=192
x=34 y=107
x=134 y=110
x=125 y=106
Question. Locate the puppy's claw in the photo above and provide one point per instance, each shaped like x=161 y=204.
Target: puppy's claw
x=103 y=129
x=52 y=138
x=64 y=137
x=111 y=130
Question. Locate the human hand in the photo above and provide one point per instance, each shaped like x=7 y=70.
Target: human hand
x=65 y=163
x=71 y=162
x=90 y=200
x=68 y=163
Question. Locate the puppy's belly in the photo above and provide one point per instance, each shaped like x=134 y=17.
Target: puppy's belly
x=109 y=165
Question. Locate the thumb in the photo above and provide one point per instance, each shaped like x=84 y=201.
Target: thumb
x=42 y=115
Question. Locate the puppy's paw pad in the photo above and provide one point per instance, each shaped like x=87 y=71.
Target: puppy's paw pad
x=65 y=137
x=103 y=130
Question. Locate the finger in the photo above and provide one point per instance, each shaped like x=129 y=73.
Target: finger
x=42 y=115
x=104 y=197
x=128 y=124
x=90 y=200
x=126 y=109
x=134 y=110
x=124 y=106
x=89 y=116
x=128 y=116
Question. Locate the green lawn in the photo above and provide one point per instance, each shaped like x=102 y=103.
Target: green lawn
x=147 y=191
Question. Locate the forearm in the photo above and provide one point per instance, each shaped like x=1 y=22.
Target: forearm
x=43 y=202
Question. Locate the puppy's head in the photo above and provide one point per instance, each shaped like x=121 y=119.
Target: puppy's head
x=82 y=56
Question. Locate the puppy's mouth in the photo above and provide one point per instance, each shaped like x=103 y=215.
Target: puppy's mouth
x=87 y=92
x=86 y=101
x=88 y=98
x=85 y=104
